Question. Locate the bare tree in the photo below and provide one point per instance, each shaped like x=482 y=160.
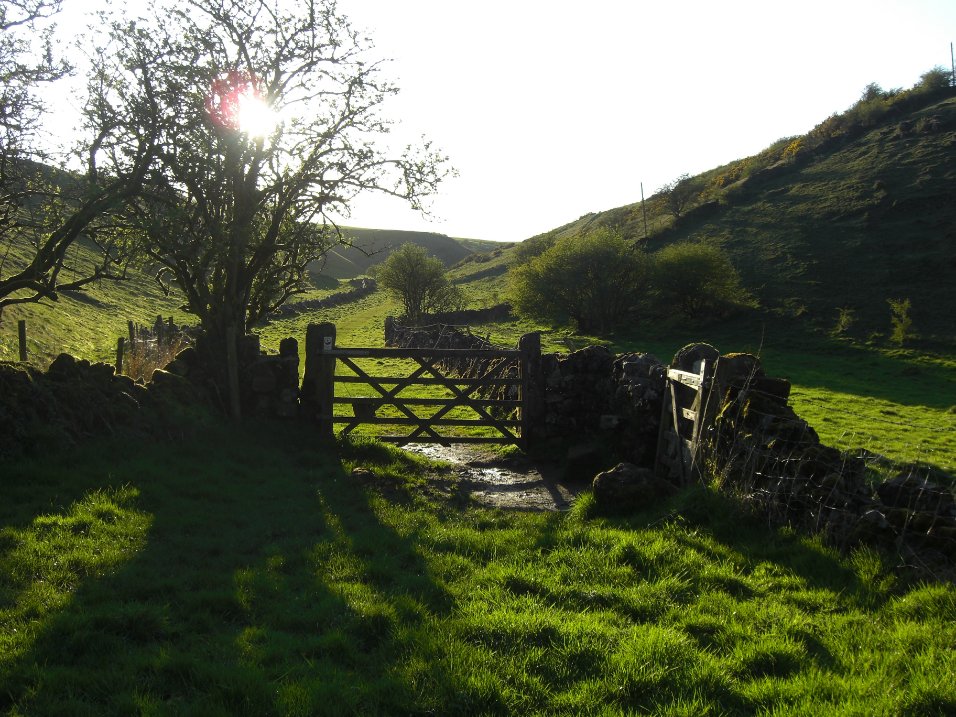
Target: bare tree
x=269 y=121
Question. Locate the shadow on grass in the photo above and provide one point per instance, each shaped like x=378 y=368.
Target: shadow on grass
x=268 y=583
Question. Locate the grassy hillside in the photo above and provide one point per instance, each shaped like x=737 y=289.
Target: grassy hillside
x=864 y=217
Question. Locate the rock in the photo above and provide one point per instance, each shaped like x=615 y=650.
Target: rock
x=916 y=492
x=64 y=368
x=178 y=367
x=627 y=487
x=363 y=474
x=689 y=357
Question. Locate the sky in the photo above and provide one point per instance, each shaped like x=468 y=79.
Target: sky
x=550 y=109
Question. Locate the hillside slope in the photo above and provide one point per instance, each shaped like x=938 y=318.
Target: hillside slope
x=849 y=225
x=372 y=246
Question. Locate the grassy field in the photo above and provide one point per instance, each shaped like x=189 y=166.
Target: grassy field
x=247 y=572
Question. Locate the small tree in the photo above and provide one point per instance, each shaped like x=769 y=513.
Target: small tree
x=677 y=195
x=595 y=280
x=418 y=281
x=938 y=79
x=696 y=279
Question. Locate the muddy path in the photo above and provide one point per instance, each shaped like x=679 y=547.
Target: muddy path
x=510 y=482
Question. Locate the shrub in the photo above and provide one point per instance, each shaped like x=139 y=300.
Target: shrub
x=592 y=279
x=418 y=281
x=900 y=321
x=535 y=246
x=845 y=319
x=939 y=79
x=696 y=279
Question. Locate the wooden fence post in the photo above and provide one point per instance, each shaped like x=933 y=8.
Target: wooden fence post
x=22 y=336
x=318 y=383
x=131 y=327
x=120 y=345
x=532 y=386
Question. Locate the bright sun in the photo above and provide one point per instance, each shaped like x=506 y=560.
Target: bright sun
x=236 y=102
x=254 y=116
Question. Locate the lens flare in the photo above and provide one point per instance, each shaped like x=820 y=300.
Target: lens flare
x=236 y=102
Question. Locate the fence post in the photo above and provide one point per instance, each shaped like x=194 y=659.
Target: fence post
x=532 y=386
x=22 y=336
x=120 y=345
x=131 y=327
x=318 y=383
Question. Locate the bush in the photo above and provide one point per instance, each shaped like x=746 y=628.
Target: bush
x=418 y=281
x=900 y=321
x=593 y=279
x=939 y=79
x=697 y=279
x=535 y=246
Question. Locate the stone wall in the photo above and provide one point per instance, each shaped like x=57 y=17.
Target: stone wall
x=757 y=446
x=762 y=450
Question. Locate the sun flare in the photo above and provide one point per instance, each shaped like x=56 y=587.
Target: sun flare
x=254 y=115
x=236 y=102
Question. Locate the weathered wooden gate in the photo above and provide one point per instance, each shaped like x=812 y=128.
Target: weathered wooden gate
x=685 y=412
x=427 y=417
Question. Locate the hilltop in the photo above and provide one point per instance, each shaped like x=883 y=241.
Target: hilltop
x=860 y=210
x=368 y=247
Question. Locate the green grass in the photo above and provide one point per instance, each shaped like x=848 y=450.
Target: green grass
x=84 y=324
x=247 y=573
x=897 y=403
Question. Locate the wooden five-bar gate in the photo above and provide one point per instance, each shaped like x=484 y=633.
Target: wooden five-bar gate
x=500 y=399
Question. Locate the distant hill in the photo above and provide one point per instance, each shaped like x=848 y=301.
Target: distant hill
x=372 y=246
x=858 y=211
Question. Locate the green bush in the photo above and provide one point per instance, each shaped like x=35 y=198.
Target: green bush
x=593 y=279
x=697 y=280
x=418 y=281
x=535 y=246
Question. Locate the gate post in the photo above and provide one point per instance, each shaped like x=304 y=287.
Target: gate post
x=532 y=386
x=318 y=383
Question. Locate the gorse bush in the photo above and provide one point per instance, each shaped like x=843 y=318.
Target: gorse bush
x=902 y=324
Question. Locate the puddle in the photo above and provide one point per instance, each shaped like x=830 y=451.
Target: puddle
x=513 y=482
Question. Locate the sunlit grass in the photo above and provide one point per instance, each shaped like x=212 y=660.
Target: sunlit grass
x=250 y=573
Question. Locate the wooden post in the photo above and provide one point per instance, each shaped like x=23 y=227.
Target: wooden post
x=22 y=334
x=232 y=373
x=318 y=383
x=132 y=336
x=120 y=345
x=532 y=386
